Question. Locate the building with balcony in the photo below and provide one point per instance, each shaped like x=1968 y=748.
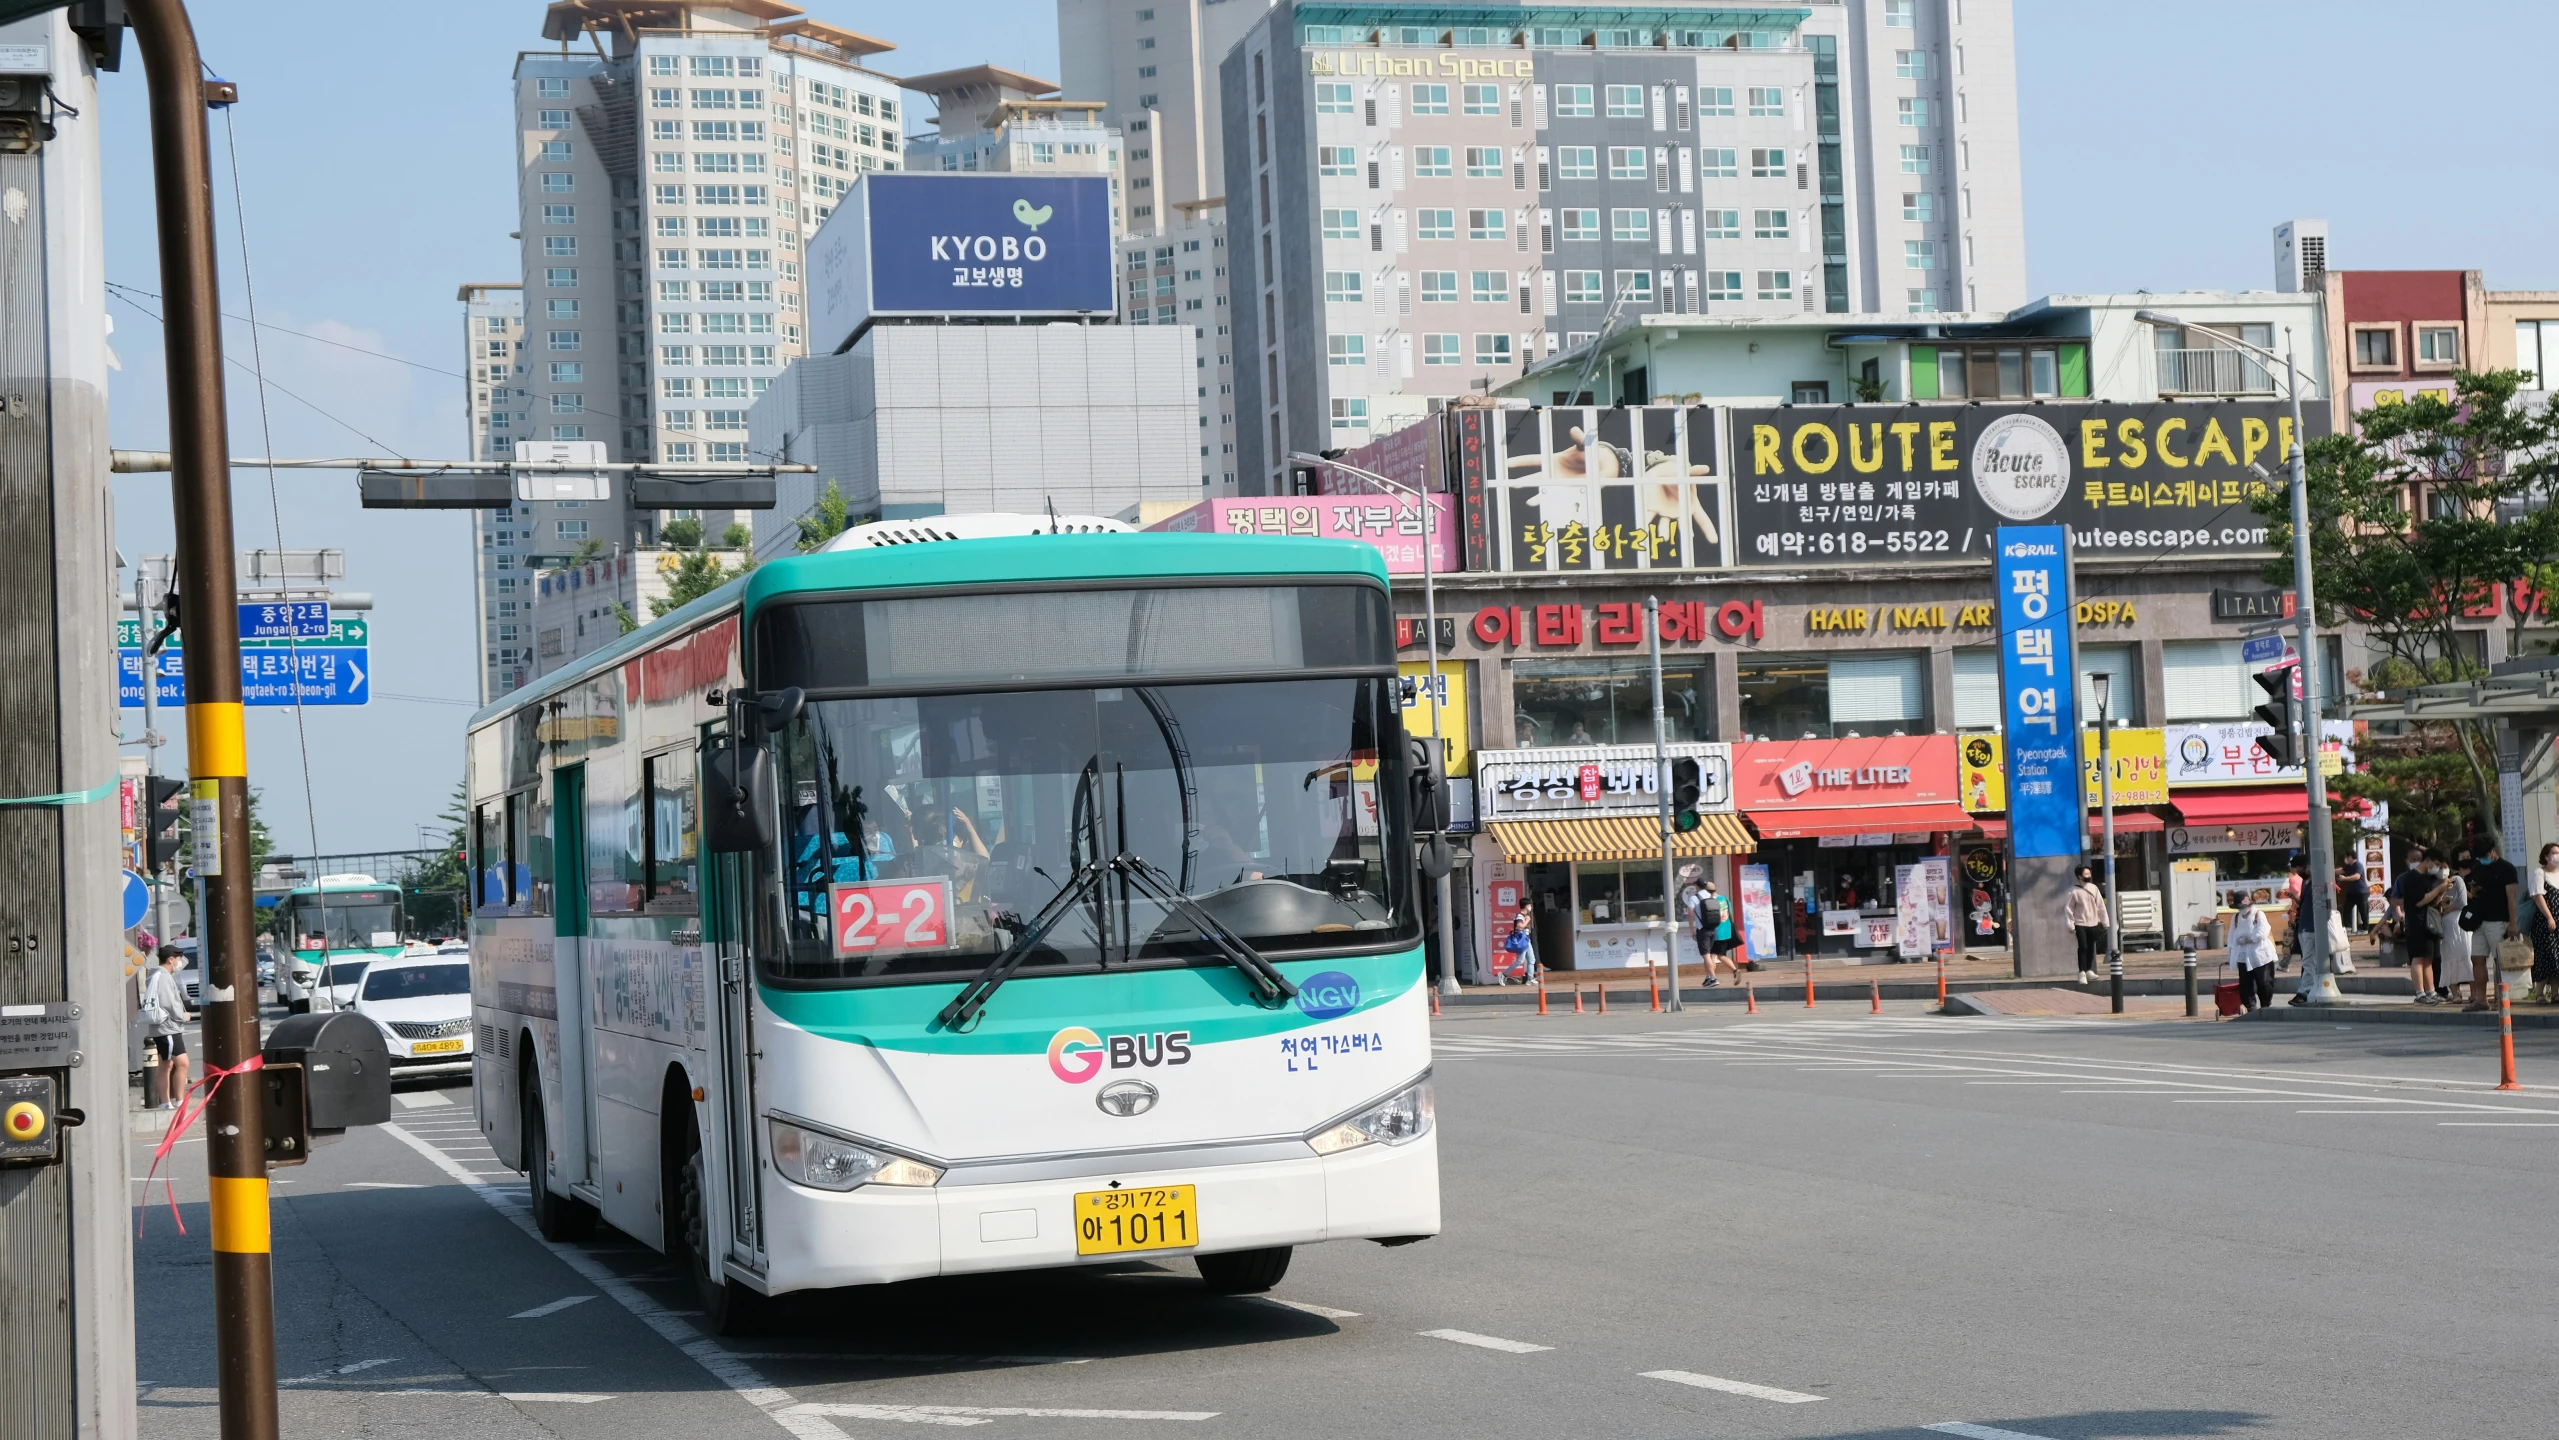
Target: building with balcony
x=990 y=118
x=1176 y=275
x=1426 y=200
x=494 y=414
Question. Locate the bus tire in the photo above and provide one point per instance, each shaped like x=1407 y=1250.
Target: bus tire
x=562 y=1219
x=1244 y=1272
x=728 y=1308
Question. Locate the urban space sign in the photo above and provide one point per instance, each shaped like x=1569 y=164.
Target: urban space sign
x=1873 y=484
x=1596 y=489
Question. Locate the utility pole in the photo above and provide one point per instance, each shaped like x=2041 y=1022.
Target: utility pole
x=66 y=1256
x=217 y=753
x=1661 y=781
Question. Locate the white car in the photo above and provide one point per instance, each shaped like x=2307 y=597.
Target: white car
x=423 y=1004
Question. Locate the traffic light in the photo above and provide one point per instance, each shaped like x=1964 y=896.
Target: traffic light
x=167 y=808
x=2282 y=746
x=1685 y=786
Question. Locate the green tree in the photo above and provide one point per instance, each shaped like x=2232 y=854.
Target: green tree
x=825 y=522
x=739 y=536
x=681 y=533
x=436 y=888
x=622 y=617
x=588 y=549
x=2429 y=506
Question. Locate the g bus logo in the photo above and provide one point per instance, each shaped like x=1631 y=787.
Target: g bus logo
x=1327 y=995
x=1075 y=1054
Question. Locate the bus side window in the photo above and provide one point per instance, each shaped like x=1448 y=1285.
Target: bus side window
x=670 y=832
x=488 y=884
x=517 y=830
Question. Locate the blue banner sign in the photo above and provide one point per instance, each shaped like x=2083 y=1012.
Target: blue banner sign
x=2039 y=686
x=329 y=675
x=938 y=245
x=285 y=620
x=340 y=630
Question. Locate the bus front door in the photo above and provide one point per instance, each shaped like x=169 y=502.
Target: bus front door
x=728 y=891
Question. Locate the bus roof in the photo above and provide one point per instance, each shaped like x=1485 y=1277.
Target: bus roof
x=333 y=883
x=1010 y=560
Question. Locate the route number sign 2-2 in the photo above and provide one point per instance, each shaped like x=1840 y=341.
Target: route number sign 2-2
x=890 y=917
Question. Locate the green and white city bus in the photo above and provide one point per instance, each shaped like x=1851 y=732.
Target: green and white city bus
x=342 y=923
x=936 y=905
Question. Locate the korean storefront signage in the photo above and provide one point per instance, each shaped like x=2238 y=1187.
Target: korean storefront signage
x=1864 y=483
x=2226 y=753
x=1837 y=774
x=1451 y=711
x=2039 y=694
x=2208 y=839
x=1588 y=490
x=1924 y=907
x=1759 y=914
x=1573 y=780
x=1391 y=523
x=1683 y=622
x=2141 y=769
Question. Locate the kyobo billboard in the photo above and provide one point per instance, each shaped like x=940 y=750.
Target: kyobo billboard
x=927 y=245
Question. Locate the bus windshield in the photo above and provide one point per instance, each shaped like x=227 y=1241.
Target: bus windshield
x=350 y=920
x=924 y=834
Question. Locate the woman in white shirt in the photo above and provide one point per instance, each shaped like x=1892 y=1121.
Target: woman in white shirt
x=2252 y=950
x=2453 y=968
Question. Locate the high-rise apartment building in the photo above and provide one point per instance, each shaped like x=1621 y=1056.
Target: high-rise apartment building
x=1154 y=65
x=493 y=414
x=673 y=159
x=990 y=118
x=1177 y=276
x=1423 y=200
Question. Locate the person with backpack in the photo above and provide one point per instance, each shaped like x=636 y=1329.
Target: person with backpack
x=1520 y=946
x=1712 y=923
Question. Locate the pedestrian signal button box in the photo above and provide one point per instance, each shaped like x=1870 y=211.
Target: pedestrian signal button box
x=29 y=1122
x=346 y=1069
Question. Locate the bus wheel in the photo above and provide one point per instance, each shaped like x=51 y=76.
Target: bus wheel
x=563 y=1219
x=1244 y=1272
x=728 y=1308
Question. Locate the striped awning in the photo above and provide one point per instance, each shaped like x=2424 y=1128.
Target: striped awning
x=1616 y=837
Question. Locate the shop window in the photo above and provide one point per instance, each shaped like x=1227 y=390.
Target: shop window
x=2205 y=680
x=1608 y=700
x=1614 y=894
x=2121 y=664
x=1878 y=694
x=1785 y=698
x=1978 y=698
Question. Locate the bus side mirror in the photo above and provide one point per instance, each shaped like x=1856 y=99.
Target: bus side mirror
x=1430 y=785
x=737 y=798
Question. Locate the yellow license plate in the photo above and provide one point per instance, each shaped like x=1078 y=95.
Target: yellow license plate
x=435 y=1047
x=1157 y=1217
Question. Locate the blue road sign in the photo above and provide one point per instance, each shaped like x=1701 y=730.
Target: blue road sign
x=329 y=675
x=285 y=620
x=137 y=899
x=2039 y=680
x=2264 y=649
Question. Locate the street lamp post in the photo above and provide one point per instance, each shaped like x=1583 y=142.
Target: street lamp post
x=2318 y=972
x=1430 y=648
x=2103 y=684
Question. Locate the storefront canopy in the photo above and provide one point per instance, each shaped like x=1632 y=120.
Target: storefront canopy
x=1792 y=822
x=2249 y=805
x=2127 y=822
x=1616 y=837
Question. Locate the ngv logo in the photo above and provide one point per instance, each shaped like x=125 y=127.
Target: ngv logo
x=989 y=247
x=1327 y=995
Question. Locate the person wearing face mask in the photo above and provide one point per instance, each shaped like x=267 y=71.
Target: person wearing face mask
x=2417 y=923
x=2453 y=968
x=2542 y=919
x=2252 y=950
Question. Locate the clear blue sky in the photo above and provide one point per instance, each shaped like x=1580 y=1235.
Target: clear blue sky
x=2162 y=142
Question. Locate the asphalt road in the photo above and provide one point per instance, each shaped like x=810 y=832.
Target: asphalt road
x=1725 y=1226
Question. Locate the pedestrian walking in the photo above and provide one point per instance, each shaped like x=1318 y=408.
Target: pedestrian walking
x=2454 y=973
x=2493 y=887
x=1713 y=922
x=2085 y=910
x=2252 y=951
x=164 y=1011
x=2354 y=896
x=2413 y=892
x=2543 y=886
x=1521 y=946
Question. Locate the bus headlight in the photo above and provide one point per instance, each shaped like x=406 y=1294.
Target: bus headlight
x=824 y=1162
x=1400 y=1117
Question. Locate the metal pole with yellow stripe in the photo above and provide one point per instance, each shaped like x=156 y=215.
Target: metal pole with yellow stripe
x=217 y=758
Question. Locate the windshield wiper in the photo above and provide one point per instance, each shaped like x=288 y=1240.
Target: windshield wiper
x=964 y=1007
x=1275 y=988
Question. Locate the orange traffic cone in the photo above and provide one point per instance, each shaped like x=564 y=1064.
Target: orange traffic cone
x=1750 y=1000
x=1603 y=999
x=1653 y=982
x=2506 y=1041
x=1577 y=1000
x=1875 y=995
x=1541 y=992
x=1808 y=982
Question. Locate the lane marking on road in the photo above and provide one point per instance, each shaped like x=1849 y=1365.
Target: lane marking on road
x=882 y=1357
x=538 y=1397
x=419 y=1099
x=318 y=1376
x=1326 y=1312
x=1979 y=1432
x=984 y=1414
x=554 y=1308
x=750 y=1386
x=375 y=1184
x=1733 y=1387
x=1487 y=1342
x=2478 y=1124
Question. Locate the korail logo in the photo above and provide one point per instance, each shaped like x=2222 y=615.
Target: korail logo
x=1328 y=995
x=2021 y=468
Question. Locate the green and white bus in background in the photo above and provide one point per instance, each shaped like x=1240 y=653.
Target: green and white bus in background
x=977 y=894
x=342 y=923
